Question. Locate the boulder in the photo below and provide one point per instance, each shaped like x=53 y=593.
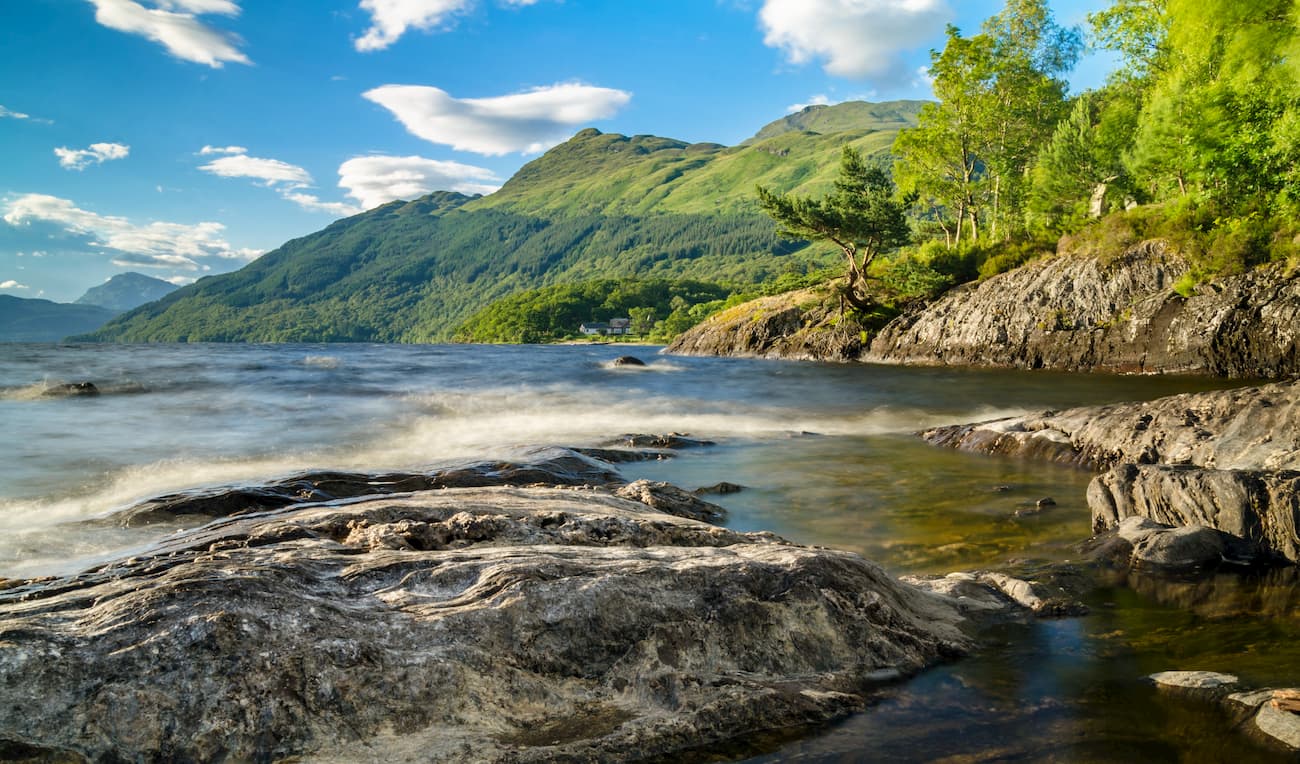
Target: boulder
x=463 y=624
x=1260 y=507
x=628 y=360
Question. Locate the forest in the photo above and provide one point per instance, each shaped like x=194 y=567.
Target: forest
x=1193 y=138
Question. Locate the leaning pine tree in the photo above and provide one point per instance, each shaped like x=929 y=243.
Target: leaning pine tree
x=862 y=217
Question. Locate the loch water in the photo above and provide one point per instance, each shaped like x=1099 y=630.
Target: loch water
x=826 y=453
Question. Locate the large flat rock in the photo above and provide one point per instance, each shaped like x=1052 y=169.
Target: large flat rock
x=466 y=624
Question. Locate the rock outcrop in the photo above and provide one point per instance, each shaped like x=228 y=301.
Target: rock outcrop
x=1258 y=506
x=1069 y=312
x=1081 y=313
x=462 y=624
x=1225 y=459
x=806 y=325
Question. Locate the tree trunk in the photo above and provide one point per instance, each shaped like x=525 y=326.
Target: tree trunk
x=1098 y=199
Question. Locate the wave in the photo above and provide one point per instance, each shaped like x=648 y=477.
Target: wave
x=41 y=537
x=56 y=388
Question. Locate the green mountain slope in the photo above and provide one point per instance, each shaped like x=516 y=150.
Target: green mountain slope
x=597 y=206
x=31 y=320
x=126 y=291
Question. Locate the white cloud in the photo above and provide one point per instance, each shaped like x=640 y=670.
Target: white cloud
x=179 y=280
x=11 y=284
x=313 y=203
x=376 y=180
x=209 y=150
x=152 y=245
x=390 y=19
x=174 y=25
x=13 y=114
x=288 y=179
x=527 y=122
x=98 y=153
x=817 y=100
x=269 y=171
x=855 y=38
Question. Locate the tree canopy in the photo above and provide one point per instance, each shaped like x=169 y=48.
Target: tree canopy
x=861 y=217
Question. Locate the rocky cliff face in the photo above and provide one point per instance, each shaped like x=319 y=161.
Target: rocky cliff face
x=1069 y=312
x=805 y=325
x=1083 y=314
x=1225 y=459
x=462 y=624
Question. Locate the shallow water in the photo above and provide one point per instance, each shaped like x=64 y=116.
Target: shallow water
x=825 y=453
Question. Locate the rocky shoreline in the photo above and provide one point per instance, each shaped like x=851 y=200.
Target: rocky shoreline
x=1070 y=312
x=533 y=619
x=1225 y=460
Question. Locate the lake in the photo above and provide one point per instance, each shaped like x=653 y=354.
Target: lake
x=826 y=454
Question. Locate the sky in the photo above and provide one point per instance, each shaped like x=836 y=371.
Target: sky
x=184 y=138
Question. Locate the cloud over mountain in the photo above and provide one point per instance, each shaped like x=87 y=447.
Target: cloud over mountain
x=376 y=180
x=527 y=122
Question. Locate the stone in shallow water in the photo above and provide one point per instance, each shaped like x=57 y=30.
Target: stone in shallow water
x=1194 y=680
x=1282 y=726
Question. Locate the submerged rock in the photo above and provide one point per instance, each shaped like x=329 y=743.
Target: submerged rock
x=628 y=360
x=466 y=624
x=71 y=390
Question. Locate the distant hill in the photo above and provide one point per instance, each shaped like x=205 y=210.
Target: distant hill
x=889 y=116
x=598 y=206
x=126 y=291
x=32 y=320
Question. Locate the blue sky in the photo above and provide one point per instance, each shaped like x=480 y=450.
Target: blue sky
x=182 y=138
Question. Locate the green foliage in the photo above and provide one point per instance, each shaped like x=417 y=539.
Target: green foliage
x=556 y=312
x=861 y=217
x=1000 y=96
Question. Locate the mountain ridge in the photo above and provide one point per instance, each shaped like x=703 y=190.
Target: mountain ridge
x=600 y=205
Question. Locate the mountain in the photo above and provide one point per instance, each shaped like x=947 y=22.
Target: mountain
x=598 y=206
x=890 y=116
x=31 y=320
x=126 y=291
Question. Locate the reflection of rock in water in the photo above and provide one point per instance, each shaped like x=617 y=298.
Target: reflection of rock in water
x=481 y=623
x=1270 y=594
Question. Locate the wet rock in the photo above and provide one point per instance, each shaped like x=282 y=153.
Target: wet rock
x=719 y=488
x=485 y=624
x=1045 y=502
x=1141 y=543
x=1250 y=428
x=672 y=500
x=71 y=390
x=990 y=593
x=1282 y=726
x=553 y=467
x=628 y=360
x=1260 y=507
x=1204 y=684
x=673 y=440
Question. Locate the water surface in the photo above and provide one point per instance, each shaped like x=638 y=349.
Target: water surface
x=825 y=452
